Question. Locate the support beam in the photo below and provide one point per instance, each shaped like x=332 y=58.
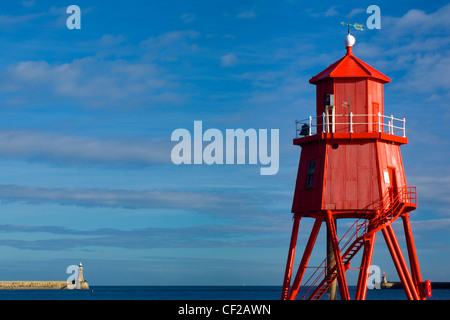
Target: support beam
x=290 y=259
x=332 y=290
x=403 y=264
x=305 y=258
x=411 y=295
x=366 y=261
x=387 y=239
x=412 y=254
x=343 y=288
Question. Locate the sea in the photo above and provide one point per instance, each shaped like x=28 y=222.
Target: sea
x=189 y=293
x=200 y=302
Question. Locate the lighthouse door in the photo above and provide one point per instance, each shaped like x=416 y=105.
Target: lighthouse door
x=393 y=180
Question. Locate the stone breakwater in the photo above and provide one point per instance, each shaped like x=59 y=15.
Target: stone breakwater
x=21 y=285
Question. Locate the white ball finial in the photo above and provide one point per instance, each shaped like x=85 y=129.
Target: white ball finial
x=349 y=40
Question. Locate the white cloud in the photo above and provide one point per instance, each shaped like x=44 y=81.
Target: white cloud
x=433 y=189
x=111 y=40
x=8 y=20
x=228 y=60
x=431 y=225
x=170 y=38
x=113 y=198
x=416 y=45
x=91 y=82
x=249 y=14
x=187 y=17
x=71 y=150
x=28 y=3
x=215 y=236
x=236 y=205
x=428 y=73
x=171 y=46
x=418 y=23
x=356 y=11
x=106 y=79
x=331 y=12
x=424 y=23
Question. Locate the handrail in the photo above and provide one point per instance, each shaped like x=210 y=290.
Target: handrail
x=346 y=123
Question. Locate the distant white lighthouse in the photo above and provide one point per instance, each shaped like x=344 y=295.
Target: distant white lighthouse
x=80 y=283
x=80 y=279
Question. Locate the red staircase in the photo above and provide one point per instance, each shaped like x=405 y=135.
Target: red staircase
x=386 y=211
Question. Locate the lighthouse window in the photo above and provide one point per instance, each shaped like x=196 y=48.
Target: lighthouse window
x=310 y=174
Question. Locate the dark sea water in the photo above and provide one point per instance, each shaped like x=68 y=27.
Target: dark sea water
x=231 y=293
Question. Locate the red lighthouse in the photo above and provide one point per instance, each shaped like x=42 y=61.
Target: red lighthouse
x=351 y=168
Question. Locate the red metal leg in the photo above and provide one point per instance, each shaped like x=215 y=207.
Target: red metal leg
x=403 y=263
x=397 y=258
x=290 y=260
x=387 y=238
x=305 y=258
x=366 y=261
x=343 y=288
x=412 y=254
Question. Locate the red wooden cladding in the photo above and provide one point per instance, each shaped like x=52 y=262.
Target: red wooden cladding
x=348 y=174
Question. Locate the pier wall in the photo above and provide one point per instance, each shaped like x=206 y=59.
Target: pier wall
x=12 y=285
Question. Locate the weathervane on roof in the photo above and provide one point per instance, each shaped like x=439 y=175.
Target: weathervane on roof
x=357 y=26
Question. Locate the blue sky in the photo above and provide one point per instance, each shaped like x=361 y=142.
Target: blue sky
x=87 y=116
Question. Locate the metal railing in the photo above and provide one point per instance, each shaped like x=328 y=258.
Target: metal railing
x=410 y=195
x=350 y=123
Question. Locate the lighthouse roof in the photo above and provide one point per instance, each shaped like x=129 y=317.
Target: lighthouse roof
x=349 y=66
